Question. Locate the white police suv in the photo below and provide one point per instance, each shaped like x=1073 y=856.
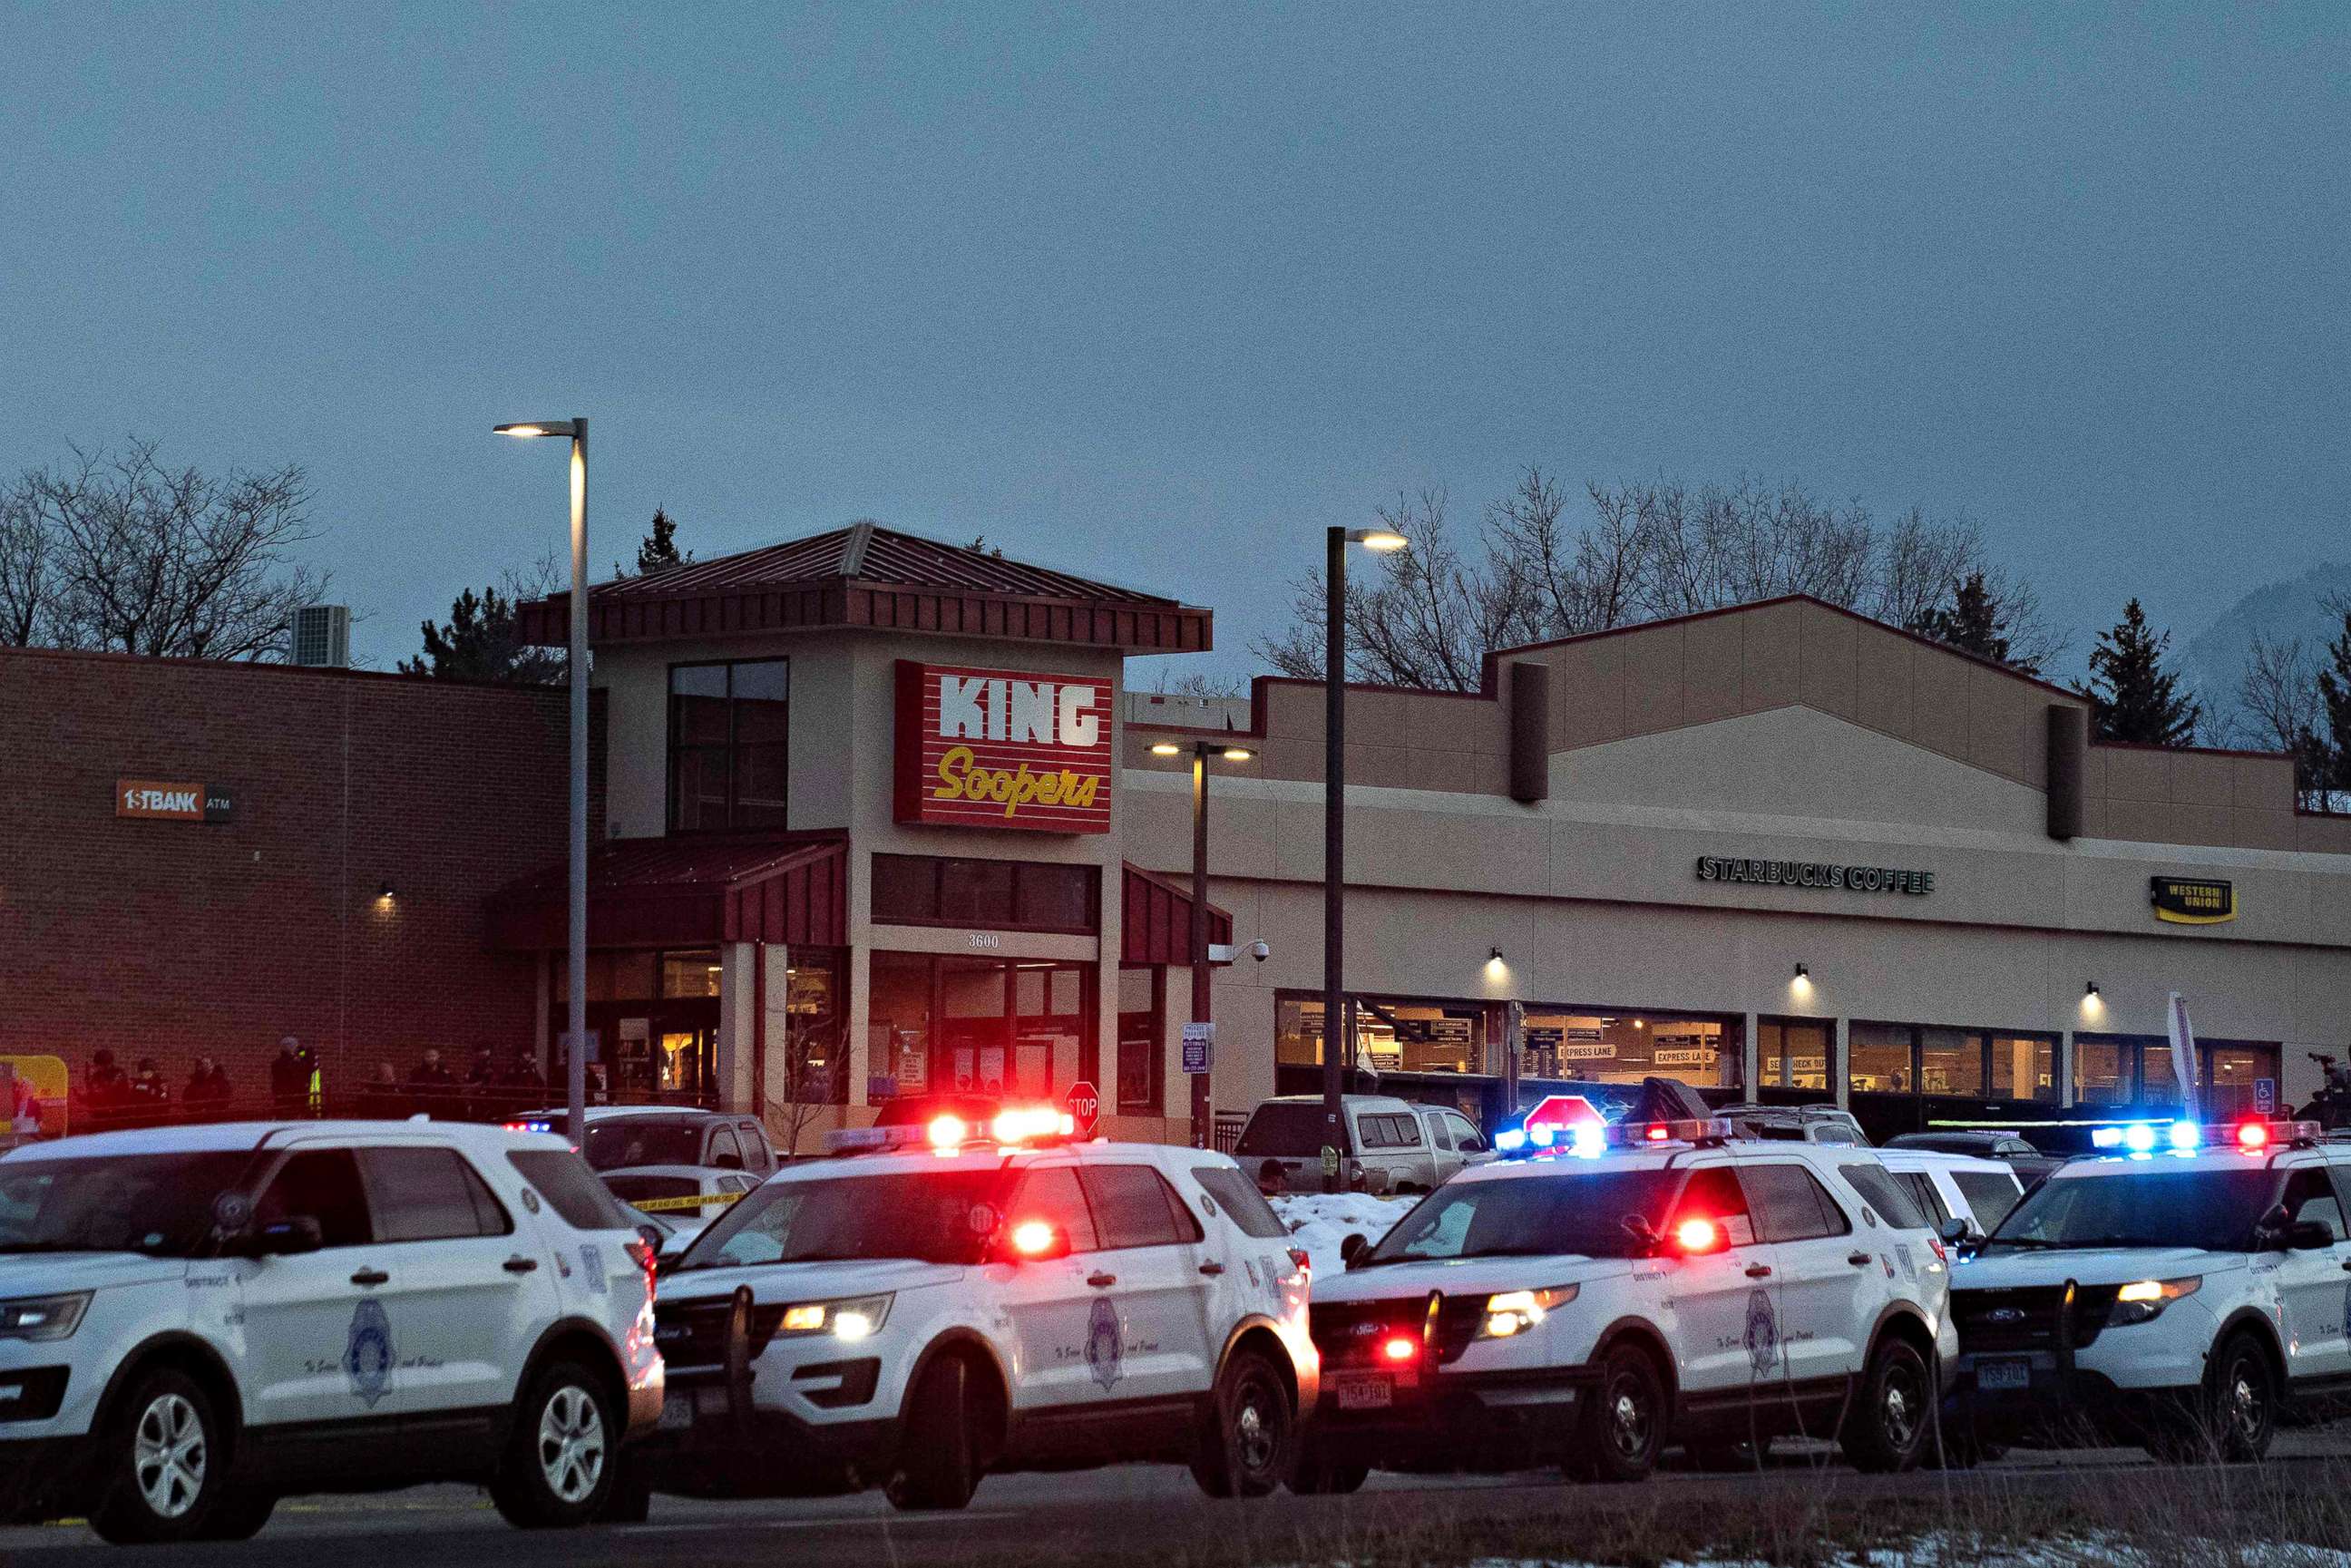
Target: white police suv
x=196 y=1320
x=2179 y=1290
x=1588 y=1303
x=955 y=1299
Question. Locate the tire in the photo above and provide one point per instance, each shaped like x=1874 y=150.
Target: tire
x=562 y=1457
x=632 y=1498
x=939 y=1466
x=239 y=1515
x=2233 y=1416
x=1890 y=1427
x=1624 y=1428
x=1318 y=1472
x=1248 y=1449
x=164 y=1464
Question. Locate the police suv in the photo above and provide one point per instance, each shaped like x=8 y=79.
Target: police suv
x=2181 y=1290
x=941 y=1302
x=196 y=1320
x=1597 y=1295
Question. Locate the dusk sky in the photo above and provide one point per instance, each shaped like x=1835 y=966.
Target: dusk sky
x=1158 y=292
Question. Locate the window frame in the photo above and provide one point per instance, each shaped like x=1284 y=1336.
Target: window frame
x=1982 y=1037
x=1834 y=1210
x=729 y=752
x=383 y=1202
x=1018 y=872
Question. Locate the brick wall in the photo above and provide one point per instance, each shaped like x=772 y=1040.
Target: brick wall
x=171 y=938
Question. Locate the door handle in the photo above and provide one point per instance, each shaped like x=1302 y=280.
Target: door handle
x=1860 y=1259
x=518 y=1264
x=1101 y=1281
x=1758 y=1270
x=369 y=1276
x=1213 y=1270
x=2347 y=1265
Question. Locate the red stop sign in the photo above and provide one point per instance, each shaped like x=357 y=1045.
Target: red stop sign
x=1083 y=1103
x=1562 y=1110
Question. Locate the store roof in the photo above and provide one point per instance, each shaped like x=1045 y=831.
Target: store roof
x=773 y=887
x=870 y=576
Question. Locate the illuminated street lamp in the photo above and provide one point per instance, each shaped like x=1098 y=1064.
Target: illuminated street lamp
x=576 y=1075
x=1202 y=1102
x=1382 y=541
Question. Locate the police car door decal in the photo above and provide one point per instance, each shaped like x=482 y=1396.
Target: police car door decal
x=367 y=1356
x=1105 y=1344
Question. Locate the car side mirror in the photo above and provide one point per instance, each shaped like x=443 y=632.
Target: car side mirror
x=288 y=1238
x=1956 y=1231
x=1353 y=1247
x=2307 y=1236
x=1644 y=1234
x=654 y=1237
x=727 y=1163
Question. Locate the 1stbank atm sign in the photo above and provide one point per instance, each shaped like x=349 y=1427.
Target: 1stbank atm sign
x=1002 y=748
x=161 y=801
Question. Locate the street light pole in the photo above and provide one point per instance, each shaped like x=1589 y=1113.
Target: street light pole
x=1203 y=1099
x=576 y=1065
x=1334 y=831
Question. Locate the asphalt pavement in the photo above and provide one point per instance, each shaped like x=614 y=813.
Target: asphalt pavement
x=1090 y=1516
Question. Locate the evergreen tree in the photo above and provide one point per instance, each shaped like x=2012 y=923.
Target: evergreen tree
x=481 y=640
x=2329 y=755
x=1974 y=621
x=659 y=551
x=2133 y=697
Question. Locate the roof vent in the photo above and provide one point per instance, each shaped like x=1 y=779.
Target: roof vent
x=322 y=636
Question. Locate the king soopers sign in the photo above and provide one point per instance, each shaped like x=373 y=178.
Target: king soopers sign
x=1813 y=874
x=1002 y=748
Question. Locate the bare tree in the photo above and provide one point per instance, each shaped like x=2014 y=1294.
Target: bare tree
x=1648 y=550
x=28 y=593
x=812 y=1057
x=142 y=558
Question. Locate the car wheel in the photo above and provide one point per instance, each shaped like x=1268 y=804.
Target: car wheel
x=561 y=1461
x=2235 y=1413
x=939 y=1466
x=1318 y=1472
x=1888 y=1427
x=1246 y=1451
x=163 y=1463
x=239 y=1515
x=631 y=1500
x=1625 y=1427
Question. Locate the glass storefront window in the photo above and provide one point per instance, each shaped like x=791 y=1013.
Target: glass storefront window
x=1880 y=1058
x=1013 y=1027
x=2158 y=1085
x=1950 y=1061
x=815 y=1070
x=1793 y=1053
x=692 y=973
x=1392 y=1034
x=728 y=743
x=2098 y=1075
x=2234 y=1074
x=1010 y=895
x=1142 y=1039
x=1597 y=1046
x=898 y=1023
x=2024 y=1067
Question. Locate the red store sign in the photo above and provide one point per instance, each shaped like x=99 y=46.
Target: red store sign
x=1003 y=749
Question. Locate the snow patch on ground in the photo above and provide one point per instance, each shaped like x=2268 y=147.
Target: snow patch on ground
x=2091 y=1550
x=1320 y=1222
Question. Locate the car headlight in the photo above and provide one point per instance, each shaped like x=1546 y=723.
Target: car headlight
x=43 y=1317
x=2143 y=1301
x=852 y=1318
x=1511 y=1312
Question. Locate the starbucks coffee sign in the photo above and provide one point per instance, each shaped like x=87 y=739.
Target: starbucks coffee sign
x=1816 y=874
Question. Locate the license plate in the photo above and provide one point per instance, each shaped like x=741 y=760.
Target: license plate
x=2012 y=1374
x=1363 y=1390
x=678 y=1413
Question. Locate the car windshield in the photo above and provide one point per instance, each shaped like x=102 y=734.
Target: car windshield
x=157 y=1204
x=935 y=1216
x=1579 y=1212
x=627 y=1141
x=1292 y=1132
x=2212 y=1210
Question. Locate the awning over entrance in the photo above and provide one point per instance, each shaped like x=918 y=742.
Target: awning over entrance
x=1158 y=919
x=688 y=891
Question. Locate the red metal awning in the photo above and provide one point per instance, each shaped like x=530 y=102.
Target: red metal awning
x=1157 y=922
x=688 y=891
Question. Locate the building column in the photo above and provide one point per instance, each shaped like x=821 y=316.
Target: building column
x=737 y=994
x=2065 y=1068
x=857 y=1015
x=543 y=985
x=1840 y=1074
x=1751 y=1056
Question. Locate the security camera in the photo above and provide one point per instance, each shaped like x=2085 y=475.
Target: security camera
x=1260 y=952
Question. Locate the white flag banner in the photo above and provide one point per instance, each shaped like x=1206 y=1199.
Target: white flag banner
x=2183 y=1058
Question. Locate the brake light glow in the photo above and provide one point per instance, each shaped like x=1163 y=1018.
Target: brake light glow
x=1399 y=1347
x=2253 y=1136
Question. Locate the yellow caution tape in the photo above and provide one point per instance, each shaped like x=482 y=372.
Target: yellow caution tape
x=665 y=1205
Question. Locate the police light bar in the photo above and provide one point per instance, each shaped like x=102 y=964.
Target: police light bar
x=1650 y=1135
x=2258 y=1135
x=539 y=1127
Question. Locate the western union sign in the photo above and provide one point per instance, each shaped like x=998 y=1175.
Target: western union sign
x=2192 y=900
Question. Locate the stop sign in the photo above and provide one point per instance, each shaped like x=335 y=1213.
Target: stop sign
x=1564 y=1110
x=1084 y=1106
